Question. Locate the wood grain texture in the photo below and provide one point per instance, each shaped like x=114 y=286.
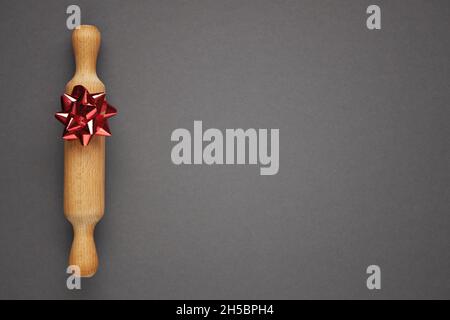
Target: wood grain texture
x=84 y=166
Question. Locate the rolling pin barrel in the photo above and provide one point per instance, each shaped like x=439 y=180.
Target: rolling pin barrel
x=84 y=166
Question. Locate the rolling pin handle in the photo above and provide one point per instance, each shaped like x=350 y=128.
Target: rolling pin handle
x=83 y=252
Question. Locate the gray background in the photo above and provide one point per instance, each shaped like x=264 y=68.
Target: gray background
x=364 y=149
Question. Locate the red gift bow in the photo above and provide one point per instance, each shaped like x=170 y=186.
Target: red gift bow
x=85 y=115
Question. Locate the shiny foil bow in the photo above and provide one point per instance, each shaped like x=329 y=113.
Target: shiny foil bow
x=84 y=115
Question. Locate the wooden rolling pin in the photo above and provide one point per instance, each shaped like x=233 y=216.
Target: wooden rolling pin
x=84 y=166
